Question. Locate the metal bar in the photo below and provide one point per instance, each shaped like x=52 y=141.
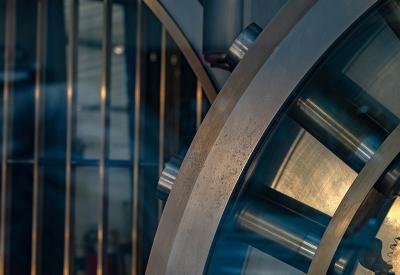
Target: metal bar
x=288 y=233
x=71 y=91
x=161 y=134
x=168 y=177
x=338 y=126
x=104 y=138
x=241 y=46
x=39 y=80
x=135 y=197
x=199 y=104
x=162 y=98
x=9 y=54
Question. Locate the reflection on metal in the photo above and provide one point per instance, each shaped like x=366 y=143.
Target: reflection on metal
x=105 y=97
x=167 y=241
x=393 y=217
x=184 y=46
x=228 y=59
x=353 y=201
x=168 y=177
x=242 y=44
x=41 y=30
x=136 y=145
x=360 y=100
x=336 y=123
x=321 y=121
x=162 y=98
x=72 y=68
x=288 y=230
x=326 y=175
x=9 y=62
x=161 y=133
x=199 y=104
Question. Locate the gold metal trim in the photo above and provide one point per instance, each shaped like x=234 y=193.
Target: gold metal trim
x=135 y=195
x=105 y=97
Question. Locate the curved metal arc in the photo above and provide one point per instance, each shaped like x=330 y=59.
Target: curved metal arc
x=352 y=201
x=185 y=47
x=206 y=182
x=164 y=247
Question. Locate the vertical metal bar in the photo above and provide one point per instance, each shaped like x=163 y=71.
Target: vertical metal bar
x=161 y=134
x=135 y=197
x=72 y=62
x=199 y=104
x=9 y=54
x=39 y=79
x=105 y=137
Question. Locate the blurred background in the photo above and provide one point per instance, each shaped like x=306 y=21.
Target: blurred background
x=81 y=89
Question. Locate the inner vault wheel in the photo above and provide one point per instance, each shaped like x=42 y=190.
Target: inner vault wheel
x=303 y=174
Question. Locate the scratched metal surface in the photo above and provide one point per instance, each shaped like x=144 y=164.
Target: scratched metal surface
x=314 y=175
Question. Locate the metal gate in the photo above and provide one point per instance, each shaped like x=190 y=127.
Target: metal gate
x=88 y=118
